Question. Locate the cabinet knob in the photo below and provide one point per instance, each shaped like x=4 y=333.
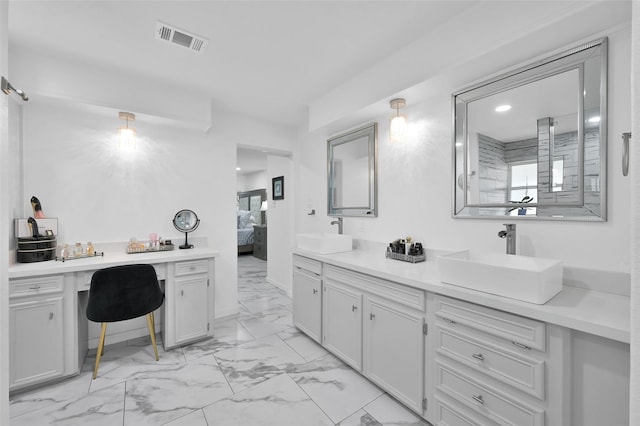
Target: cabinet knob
x=315 y=291
x=478 y=357
x=372 y=316
x=478 y=399
x=50 y=315
x=354 y=308
x=181 y=292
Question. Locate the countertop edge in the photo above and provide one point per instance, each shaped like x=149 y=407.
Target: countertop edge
x=573 y=307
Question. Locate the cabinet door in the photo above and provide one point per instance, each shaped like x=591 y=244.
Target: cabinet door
x=342 y=322
x=191 y=307
x=307 y=302
x=393 y=349
x=36 y=341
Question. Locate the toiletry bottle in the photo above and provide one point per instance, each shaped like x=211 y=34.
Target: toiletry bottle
x=77 y=251
x=64 y=253
x=90 y=249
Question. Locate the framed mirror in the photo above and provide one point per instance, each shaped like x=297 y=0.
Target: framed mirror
x=532 y=143
x=186 y=221
x=352 y=170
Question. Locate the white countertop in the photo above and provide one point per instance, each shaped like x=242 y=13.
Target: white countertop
x=595 y=312
x=110 y=258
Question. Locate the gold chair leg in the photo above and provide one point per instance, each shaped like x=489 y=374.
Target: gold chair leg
x=100 y=350
x=152 y=333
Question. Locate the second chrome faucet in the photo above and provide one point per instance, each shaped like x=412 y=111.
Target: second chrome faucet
x=339 y=223
x=510 y=234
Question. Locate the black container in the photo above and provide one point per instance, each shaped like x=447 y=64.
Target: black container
x=36 y=249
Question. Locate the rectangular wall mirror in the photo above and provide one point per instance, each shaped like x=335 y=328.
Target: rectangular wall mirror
x=352 y=163
x=532 y=143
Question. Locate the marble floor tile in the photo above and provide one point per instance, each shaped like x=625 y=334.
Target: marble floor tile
x=388 y=411
x=302 y=344
x=252 y=363
x=70 y=389
x=268 y=322
x=130 y=362
x=101 y=408
x=275 y=402
x=195 y=418
x=226 y=334
x=177 y=390
x=337 y=389
x=360 y=418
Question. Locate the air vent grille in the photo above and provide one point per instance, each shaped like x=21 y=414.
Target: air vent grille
x=179 y=37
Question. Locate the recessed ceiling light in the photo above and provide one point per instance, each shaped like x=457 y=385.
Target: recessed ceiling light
x=503 y=108
x=594 y=119
x=237 y=169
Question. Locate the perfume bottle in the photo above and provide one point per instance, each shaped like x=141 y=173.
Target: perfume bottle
x=90 y=250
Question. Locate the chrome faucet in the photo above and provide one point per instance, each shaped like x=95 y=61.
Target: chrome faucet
x=510 y=235
x=339 y=223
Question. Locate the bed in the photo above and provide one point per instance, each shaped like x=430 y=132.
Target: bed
x=245 y=231
x=249 y=214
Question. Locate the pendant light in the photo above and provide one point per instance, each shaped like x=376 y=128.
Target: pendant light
x=126 y=134
x=398 y=124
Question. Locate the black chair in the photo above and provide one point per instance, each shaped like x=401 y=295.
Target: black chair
x=120 y=293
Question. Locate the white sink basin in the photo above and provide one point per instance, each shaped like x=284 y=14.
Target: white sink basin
x=324 y=242
x=529 y=279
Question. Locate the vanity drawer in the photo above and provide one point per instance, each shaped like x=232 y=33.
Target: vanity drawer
x=405 y=295
x=523 y=332
x=498 y=407
x=192 y=267
x=300 y=262
x=36 y=285
x=453 y=414
x=499 y=362
x=83 y=278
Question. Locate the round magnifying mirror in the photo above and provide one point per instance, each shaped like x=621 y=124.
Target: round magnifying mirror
x=186 y=221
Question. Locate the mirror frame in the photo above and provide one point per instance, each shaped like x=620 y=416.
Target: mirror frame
x=370 y=131
x=558 y=63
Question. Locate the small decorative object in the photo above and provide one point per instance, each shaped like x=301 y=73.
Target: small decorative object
x=90 y=249
x=37 y=208
x=278 y=188
x=36 y=247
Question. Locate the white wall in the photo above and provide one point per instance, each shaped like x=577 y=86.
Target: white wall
x=251 y=181
x=634 y=172
x=414 y=186
x=279 y=228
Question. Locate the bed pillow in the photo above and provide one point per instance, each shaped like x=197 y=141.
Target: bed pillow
x=243 y=218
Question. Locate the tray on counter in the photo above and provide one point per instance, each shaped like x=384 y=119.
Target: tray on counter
x=405 y=257
x=83 y=256
x=166 y=247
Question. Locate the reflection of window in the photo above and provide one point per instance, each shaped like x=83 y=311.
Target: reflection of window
x=523 y=182
x=558 y=174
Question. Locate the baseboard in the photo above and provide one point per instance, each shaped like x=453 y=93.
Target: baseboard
x=227 y=311
x=280 y=286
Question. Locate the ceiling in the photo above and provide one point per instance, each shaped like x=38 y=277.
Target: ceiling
x=265 y=59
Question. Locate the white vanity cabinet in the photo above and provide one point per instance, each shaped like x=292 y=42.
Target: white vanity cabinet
x=307 y=296
x=495 y=368
x=376 y=326
x=188 y=302
x=37 y=327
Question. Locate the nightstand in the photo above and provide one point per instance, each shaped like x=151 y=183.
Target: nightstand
x=260 y=241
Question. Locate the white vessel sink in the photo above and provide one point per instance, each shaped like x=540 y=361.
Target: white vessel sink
x=324 y=242
x=529 y=279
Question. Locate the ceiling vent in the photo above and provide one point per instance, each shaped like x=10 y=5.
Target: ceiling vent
x=182 y=38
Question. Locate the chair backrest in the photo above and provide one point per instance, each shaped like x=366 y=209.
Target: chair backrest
x=123 y=292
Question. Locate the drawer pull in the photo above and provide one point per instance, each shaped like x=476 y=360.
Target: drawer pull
x=372 y=316
x=450 y=321
x=50 y=315
x=315 y=291
x=478 y=357
x=354 y=308
x=35 y=287
x=478 y=399
x=181 y=292
x=520 y=345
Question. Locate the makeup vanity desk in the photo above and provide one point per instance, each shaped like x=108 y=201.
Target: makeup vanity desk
x=49 y=331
